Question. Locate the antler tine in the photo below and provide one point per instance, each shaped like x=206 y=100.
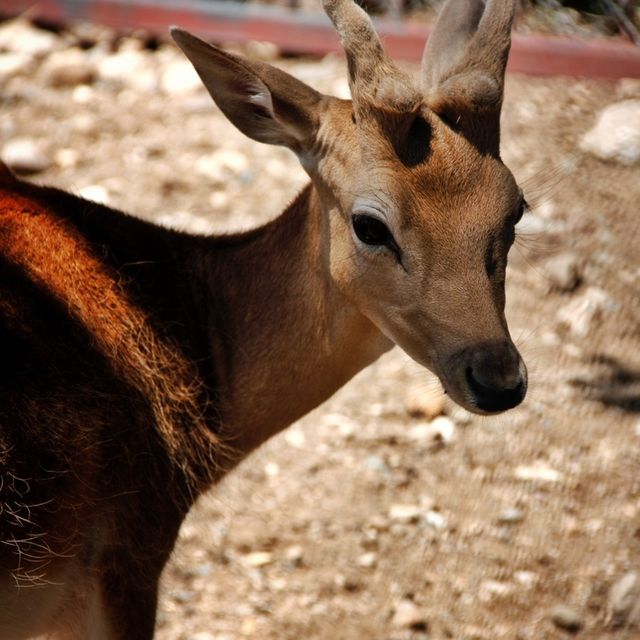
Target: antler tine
x=372 y=74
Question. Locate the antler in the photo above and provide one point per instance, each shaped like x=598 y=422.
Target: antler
x=373 y=77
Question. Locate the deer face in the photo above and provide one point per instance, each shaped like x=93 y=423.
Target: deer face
x=421 y=210
x=421 y=248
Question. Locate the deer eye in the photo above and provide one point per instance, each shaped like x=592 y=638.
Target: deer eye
x=371 y=231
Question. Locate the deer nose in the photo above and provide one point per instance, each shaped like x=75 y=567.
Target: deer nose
x=496 y=377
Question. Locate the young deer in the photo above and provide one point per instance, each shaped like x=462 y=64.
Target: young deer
x=139 y=364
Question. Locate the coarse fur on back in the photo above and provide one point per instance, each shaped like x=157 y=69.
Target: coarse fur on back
x=141 y=364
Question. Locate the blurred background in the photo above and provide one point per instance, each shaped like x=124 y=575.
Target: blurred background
x=388 y=513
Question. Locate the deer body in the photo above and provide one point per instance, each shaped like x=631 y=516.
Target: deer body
x=140 y=364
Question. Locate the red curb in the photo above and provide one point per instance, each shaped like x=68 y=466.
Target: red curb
x=304 y=33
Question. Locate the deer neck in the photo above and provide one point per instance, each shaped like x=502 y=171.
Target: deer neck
x=283 y=339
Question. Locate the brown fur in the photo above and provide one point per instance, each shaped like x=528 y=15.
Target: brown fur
x=140 y=364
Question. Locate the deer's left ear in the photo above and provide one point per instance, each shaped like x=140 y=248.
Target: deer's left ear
x=464 y=64
x=265 y=103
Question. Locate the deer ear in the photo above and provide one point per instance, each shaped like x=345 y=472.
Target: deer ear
x=464 y=63
x=265 y=103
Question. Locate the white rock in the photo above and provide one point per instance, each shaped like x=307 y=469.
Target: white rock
x=435 y=519
x=490 y=589
x=259 y=558
x=405 y=513
x=567 y=618
x=15 y=64
x=222 y=165
x=624 y=600
x=367 y=560
x=68 y=68
x=130 y=68
x=180 y=78
x=96 y=193
x=408 y=615
x=539 y=471
x=616 y=134
x=424 y=402
x=20 y=36
x=67 y=158
x=563 y=272
x=581 y=314
x=25 y=155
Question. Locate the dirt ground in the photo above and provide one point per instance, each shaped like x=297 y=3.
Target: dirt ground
x=362 y=521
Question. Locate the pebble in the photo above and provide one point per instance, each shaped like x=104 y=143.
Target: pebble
x=616 y=134
x=129 y=68
x=180 y=78
x=424 y=403
x=367 y=560
x=582 y=313
x=624 y=600
x=405 y=513
x=25 y=155
x=407 y=615
x=539 y=471
x=563 y=272
x=566 y=618
x=14 y=64
x=295 y=555
x=259 y=558
x=441 y=429
x=512 y=515
x=20 y=36
x=68 y=68
x=96 y=193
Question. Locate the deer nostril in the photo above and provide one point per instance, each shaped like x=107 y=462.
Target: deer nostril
x=491 y=397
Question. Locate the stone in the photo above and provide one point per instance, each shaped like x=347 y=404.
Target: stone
x=20 y=36
x=616 y=135
x=539 y=471
x=408 y=615
x=259 y=558
x=567 y=618
x=584 y=311
x=405 y=513
x=367 y=560
x=563 y=272
x=15 y=64
x=624 y=600
x=511 y=515
x=441 y=429
x=130 y=68
x=96 y=193
x=68 y=68
x=180 y=78
x=295 y=555
x=424 y=403
x=25 y=155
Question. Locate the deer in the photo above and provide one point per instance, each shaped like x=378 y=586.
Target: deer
x=140 y=364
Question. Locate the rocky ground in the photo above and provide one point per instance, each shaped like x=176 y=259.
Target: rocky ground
x=388 y=513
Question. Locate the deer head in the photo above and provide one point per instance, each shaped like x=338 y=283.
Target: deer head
x=418 y=208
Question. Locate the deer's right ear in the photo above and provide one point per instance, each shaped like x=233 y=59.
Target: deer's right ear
x=265 y=103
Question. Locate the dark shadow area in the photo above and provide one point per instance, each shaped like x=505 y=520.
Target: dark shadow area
x=614 y=384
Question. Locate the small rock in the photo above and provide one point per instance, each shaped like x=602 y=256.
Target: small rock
x=376 y=463
x=68 y=68
x=267 y=51
x=20 y=36
x=511 y=516
x=96 y=193
x=563 y=272
x=367 y=560
x=490 y=589
x=15 y=64
x=566 y=618
x=407 y=615
x=25 y=155
x=424 y=403
x=441 y=429
x=259 y=558
x=616 y=134
x=582 y=313
x=539 y=471
x=405 y=513
x=526 y=578
x=222 y=165
x=435 y=519
x=295 y=555
x=203 y=635
x=130 y=68
x=180 y=78
x=624 y=600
